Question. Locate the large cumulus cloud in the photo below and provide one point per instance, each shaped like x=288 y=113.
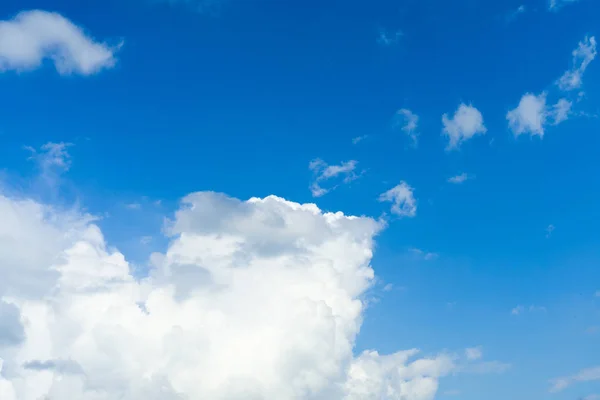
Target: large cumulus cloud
x=257 y=299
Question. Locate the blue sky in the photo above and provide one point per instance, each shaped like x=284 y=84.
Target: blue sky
x=241 y=97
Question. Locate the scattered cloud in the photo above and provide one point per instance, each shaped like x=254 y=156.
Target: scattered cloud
x=529 y=116
x=465 y=124
x=583 y=55
x=133 y=206
x=408 y=122
x=324 y=172
x=515 y=13
x=386 y=38
x=52 y=160
x=230 y=310
x=461 y=178
x=549 y=230
x=533 y=114
x=474 y=353
x=359 y=139
x=597 y=294
x=585 y=375
x=555 y=5
x=518 y=310
x=32 y=37
x=425 y=255
x=145 y=240
x=592 y=397
x=402 y=198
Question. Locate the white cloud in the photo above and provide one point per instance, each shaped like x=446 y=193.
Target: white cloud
x=461 y=178
x=34 y=36
x=592 y=397
x=474 y=353
x=257 y=299
x=389 y=38
x=324 y=172
x=549 y=230
x=585 y=375
x=402 y=198
x=529 y=116
x=466 y=123
x=555 y=5
x=532 y=308
x=408 y=122
x=426 y=255
x=583 y=55
x=359 y=139
x=533 y=114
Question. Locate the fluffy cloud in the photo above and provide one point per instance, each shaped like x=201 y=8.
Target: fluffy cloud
x=34 y=36
x=403 y=200
x=466 y=123
x=257 y=299
x=324 y=172
x=583 y=55
x=407 y=121
x=585 y=375
x=474 y=353
x=533 y=114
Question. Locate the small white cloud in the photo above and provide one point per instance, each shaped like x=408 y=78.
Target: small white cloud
x=474 y=353
x=533 y=308
x=359 y=139
x=517 y=310
x=34 y=36
x=533 y=114
x=402 y=198
x=549 y=230
x=529 y=116
x=583 y=55
x=324 y=172
x=427 y=256
x=145 y=240
x=408 y=122
x=597 y=294
x=585 y=375
x=133 y=206
x=515 y=13
x=388 y=38
x=466 y=123
x=461 y=178
x=561 y=110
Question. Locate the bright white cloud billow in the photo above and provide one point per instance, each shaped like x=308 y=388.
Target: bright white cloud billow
x=583 y=55
x=32 y=37
x=261 y=299
x=464 y=125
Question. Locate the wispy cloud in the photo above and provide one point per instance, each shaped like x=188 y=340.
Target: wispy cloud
x=518 y=310
x=425 y=255
x=549 y=230
x=359 y=139
x=386 y=38
x=403 y=200
x=585 y=375
x=324 y=172
x=533 y=114
x=583 y=55
x=460 y=178
x=407 y=122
